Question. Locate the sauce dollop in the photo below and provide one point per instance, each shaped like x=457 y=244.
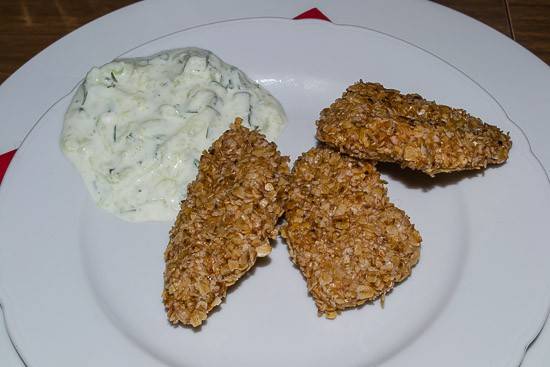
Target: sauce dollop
x=136 y=128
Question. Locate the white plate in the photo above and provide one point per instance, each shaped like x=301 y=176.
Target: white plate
x=81 y=287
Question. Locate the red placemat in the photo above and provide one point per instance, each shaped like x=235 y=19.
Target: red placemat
x=5 y=160
x=313 y=13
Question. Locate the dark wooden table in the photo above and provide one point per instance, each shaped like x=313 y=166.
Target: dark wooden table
x=28 y=26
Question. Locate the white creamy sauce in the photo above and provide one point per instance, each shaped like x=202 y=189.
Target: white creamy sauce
x=136 y=128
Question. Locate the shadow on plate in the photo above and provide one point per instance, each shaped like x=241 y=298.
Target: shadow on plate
x=419 y=180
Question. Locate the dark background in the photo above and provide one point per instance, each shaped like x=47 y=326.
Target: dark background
x=28 y=26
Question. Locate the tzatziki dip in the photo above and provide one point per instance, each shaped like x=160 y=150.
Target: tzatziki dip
x=136 y=128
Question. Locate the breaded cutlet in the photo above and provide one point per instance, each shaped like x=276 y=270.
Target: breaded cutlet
x=350 y=242
x=224 y=224
x=379 y=124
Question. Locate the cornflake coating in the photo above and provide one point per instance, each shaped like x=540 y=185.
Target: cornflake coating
x=351 y=244
x=225 y=223
x=379 y=124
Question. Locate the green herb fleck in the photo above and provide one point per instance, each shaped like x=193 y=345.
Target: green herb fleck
x=85 y=93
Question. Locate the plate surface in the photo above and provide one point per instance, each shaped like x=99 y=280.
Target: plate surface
x=81 y=287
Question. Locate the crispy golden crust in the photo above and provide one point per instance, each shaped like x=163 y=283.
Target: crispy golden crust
x=226 y=222
x=351 y=244
x=379 y=124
